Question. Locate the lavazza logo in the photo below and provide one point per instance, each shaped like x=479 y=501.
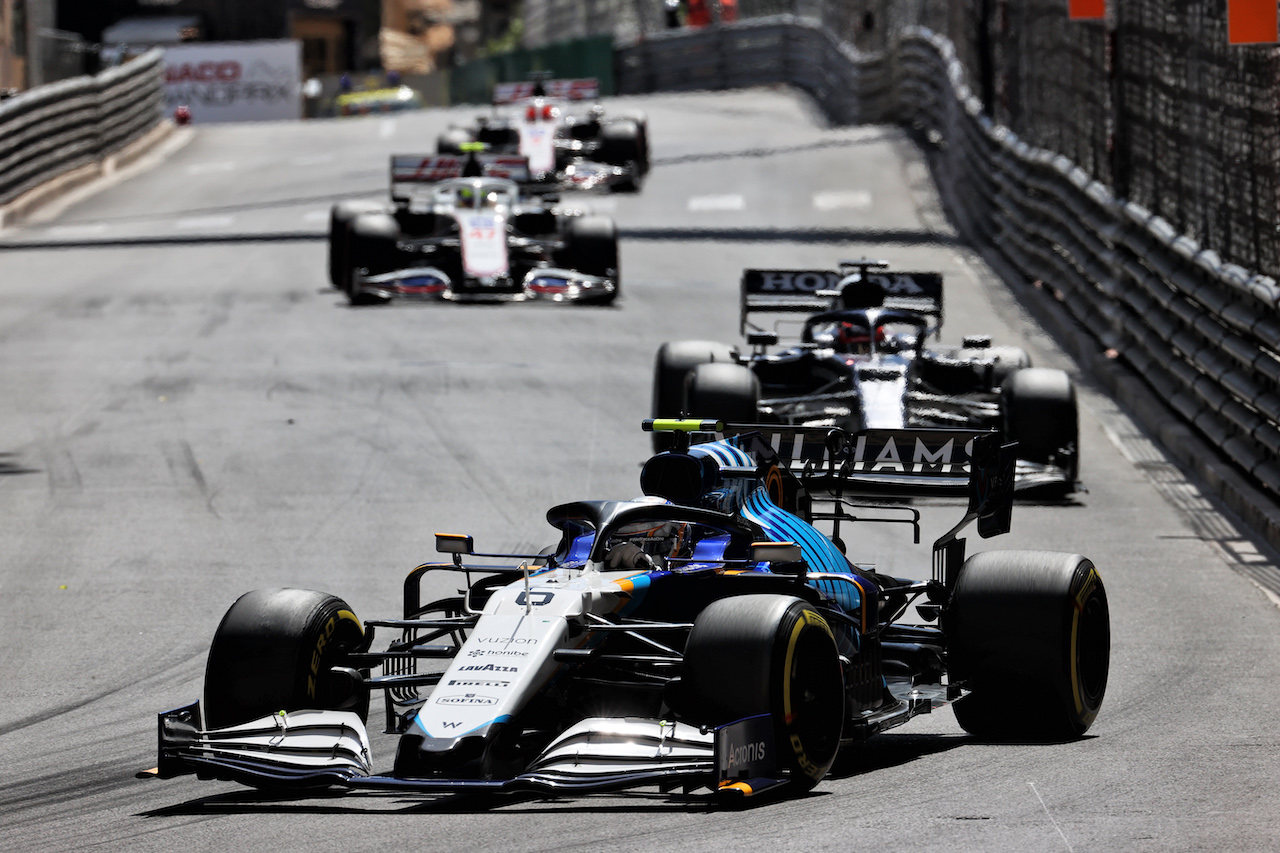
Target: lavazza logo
x=489 y=667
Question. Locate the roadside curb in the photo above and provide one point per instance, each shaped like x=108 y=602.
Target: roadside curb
x=26 y=205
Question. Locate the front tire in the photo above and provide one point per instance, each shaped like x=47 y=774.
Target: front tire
x=373 y=249
x=774 y=654
x=1029 y=633
x=274 y=650
x=341 y=215
x=591 y=247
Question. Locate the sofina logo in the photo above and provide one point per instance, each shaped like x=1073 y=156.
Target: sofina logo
x=466 y=699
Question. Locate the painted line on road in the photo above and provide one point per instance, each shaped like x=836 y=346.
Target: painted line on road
x=208 y=168
x=191 y=222
x=316 y=216
x=837 y=199
x=86 y=230
x=317 y=160
x=716 y=202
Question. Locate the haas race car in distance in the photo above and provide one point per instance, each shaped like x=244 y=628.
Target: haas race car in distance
x=463 y=228
x=862 y=361
x=705 y=635
x=562 y=128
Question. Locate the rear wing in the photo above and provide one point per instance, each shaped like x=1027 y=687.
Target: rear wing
x=813 y=291
x=581 y=89
x=407 y=169
x=880 y=462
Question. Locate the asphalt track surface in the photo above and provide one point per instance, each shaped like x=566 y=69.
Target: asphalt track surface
x=189 y=412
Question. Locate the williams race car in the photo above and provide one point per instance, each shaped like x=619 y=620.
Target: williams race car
x=464 y=228
x=704 y=636
x=562 y=128
x=863 y=360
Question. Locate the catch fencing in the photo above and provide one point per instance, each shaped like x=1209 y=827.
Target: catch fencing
x=1197 y=323
x=55 y=129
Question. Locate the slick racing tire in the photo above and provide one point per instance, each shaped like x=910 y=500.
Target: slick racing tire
x=373 y=248
x=452 y=140
x=725 y=392
x=1029 y=633
x=591 y=247
x=274 y=651
x=1009 y=360
x=341 y=216
x=671 y=370
x=625 y=143
x=769 y=654
x=1039 y=410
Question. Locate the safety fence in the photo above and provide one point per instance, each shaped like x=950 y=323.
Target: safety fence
x=55 y=129
x=1203 y=333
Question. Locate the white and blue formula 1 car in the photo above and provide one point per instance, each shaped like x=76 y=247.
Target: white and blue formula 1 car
x=705 y=636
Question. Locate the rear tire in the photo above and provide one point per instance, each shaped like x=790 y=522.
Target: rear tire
x=1029 y=633
x=1040 y=413
x=774 y=654
x=724 y=392
x=273 y=652
x=670 y=370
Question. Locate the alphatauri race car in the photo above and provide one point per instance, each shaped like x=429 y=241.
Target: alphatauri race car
x=705 y=636
x=465 y=228
x=561 y=127
x=863 y=360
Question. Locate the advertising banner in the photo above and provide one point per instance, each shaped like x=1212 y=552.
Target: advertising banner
x=235 y=81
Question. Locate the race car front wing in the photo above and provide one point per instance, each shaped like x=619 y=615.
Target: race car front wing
x=427 y=283
x=308 y=749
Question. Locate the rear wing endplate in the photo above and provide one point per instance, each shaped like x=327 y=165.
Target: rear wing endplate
x=812 y=291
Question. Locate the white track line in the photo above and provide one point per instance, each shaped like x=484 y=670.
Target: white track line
x=194 y=222
x=716 y=202
x=836 y=199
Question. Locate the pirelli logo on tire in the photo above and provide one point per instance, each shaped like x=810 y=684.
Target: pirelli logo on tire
x=323 y=638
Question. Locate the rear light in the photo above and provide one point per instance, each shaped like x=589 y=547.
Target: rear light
x=531 y=114
x=548 y=112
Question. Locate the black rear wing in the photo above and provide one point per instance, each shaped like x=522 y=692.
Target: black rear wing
x=877 y=463
x=410 y=169
x=855 y=285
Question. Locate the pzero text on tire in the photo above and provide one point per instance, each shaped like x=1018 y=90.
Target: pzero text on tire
x=1029 y=633
x=774 y=654
x=274 y=650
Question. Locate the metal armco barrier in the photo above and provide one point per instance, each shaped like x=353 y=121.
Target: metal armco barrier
x=54 y=129
x=1204 y=334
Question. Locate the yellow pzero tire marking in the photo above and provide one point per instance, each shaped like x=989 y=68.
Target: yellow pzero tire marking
x=351 y=617
x=1081 y=597
x=807 y=617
